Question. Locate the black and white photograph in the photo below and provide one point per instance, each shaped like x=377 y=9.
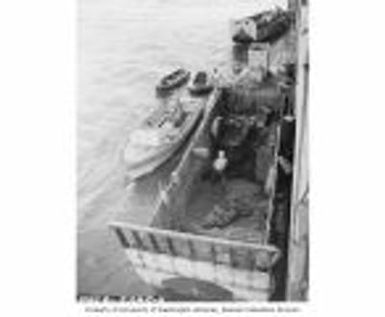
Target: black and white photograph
x=192 y=150
x=192 y=158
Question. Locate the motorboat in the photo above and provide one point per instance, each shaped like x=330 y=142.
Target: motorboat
x=160 y=136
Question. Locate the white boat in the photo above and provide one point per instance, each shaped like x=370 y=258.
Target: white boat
x=160 y=136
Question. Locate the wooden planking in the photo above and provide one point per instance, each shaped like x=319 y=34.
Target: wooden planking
x=126 y=228
x=208 y=249
x=176 y=266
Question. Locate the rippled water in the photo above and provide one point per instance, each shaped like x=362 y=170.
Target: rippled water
x=125 y=46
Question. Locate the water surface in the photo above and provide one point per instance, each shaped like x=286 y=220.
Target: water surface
x=125 y=46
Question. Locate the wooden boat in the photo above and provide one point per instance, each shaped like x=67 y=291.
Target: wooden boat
x=160 y=136
x=262 y=27
x=173 y=80
x=201 y=83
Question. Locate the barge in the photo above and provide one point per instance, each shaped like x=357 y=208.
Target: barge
x=258 y=255
x=238 y=259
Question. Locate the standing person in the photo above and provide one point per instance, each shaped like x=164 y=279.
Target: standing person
x=219 y=167
x=218 y=156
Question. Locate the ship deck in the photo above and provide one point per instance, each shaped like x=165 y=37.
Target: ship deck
x=203 y=199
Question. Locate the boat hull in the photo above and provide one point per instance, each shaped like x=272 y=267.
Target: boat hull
x=201 y=84
x=149 y=166
x=158 y=156
x=182 y=263
x=200 y=90
x=165 y=254
x=169 y=85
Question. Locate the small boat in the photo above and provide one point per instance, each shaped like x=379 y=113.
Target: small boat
x=160 y=136
x=173 y=80
x=201 y=84
x=266 y=26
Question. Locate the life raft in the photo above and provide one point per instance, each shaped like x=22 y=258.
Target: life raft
x=201 y=84
x=173 y=80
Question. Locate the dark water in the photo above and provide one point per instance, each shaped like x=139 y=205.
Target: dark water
x=125 y=46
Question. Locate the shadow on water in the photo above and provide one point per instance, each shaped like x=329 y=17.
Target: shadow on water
x=188 y=289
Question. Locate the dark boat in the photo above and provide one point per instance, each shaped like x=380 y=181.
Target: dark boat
x=201 y=84
x=173 y=80
x=266 y=26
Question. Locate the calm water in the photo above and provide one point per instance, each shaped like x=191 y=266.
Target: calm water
x=125 y=46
